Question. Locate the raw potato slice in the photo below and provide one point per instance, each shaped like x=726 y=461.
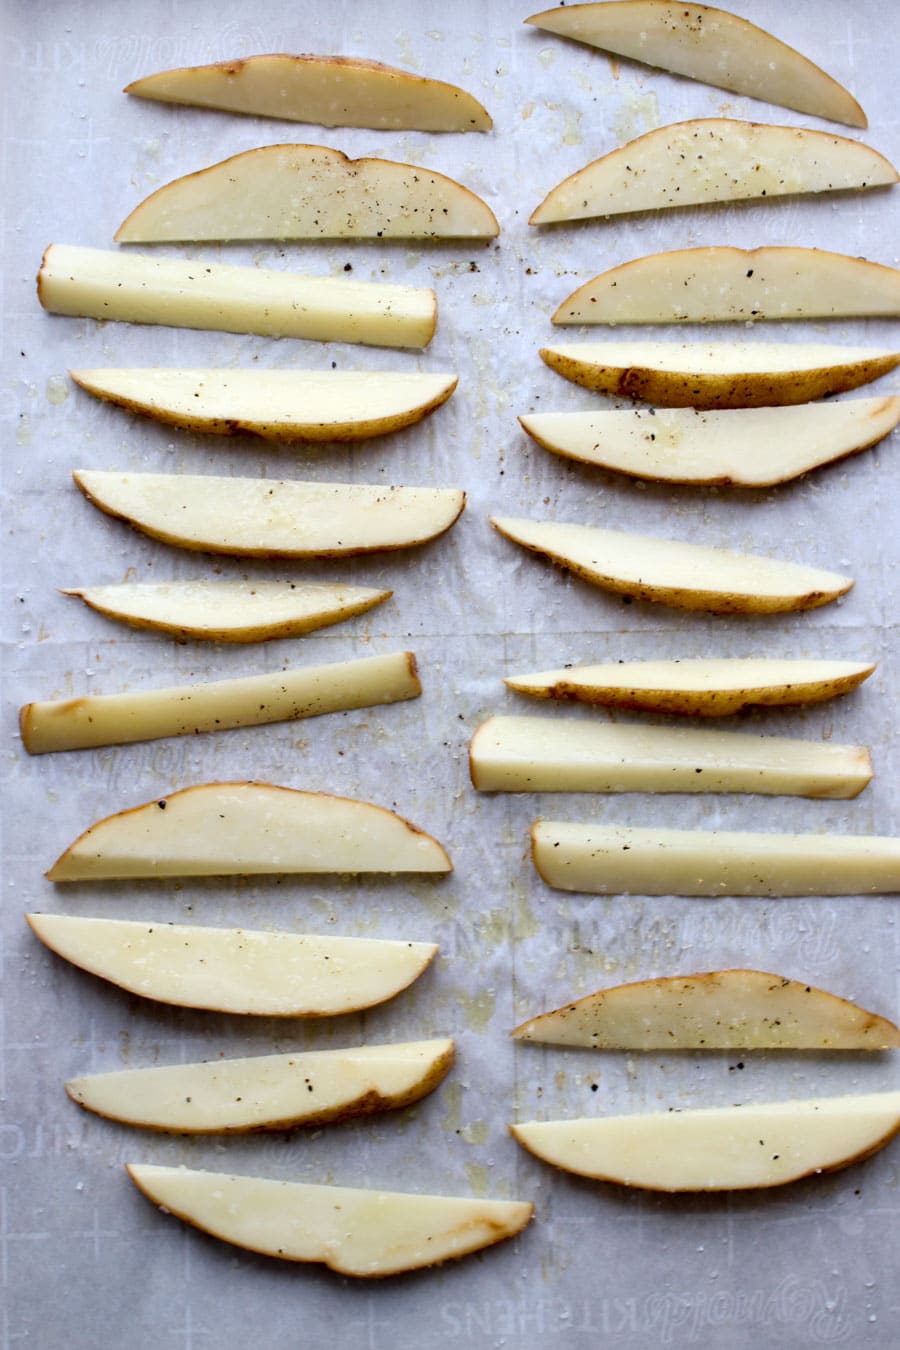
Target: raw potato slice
x=686 y=576
x=720 y=374
x=239 y=829
x=738 y=447
x=543 y=754
x=722 y=1010
x=231 y=611
x=735 y=285
x=719 y=1148
x=710 y=45
x=188 y=709
x=697 y=686
x=94 y=283
x=333 y=91
x=236 y=970
x=281 y=405
x=272 y=518
x=309 y=192
x=713 y=159
x=268 y=1092
x=625 y=860
x=354 y=1232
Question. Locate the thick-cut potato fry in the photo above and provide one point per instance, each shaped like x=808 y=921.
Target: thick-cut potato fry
x=710 y=45
x=238 y=829
x=543 y=754
x=95 y=283
x=640 y=860
x=718 y=1010
x=333 y=91
x=686 y=576
x=188 y=709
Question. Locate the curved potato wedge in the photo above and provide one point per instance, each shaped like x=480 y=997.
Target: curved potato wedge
x=633 y=860
x=721 y=374
x=697 y=686
x=714 y=159
x=95 y=283
x=333 y=91
x=710 y=45
x=543 y=754
x=230 y=611
x=719 y=1010
x=220 y=705
x=686 y=576
x=308 y=192
x=239 y=829
x=719 y=1148
x=735 y=285
x=272 y=518
x=236 y=970
x=354 y=1232
x=268 y=1092
x=280 y=405
x=736 y=447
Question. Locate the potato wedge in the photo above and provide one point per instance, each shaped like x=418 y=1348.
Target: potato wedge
x=280 y=405
x=639 y=860
x=697 y=686
x=94 y=283
x=230 y=611
x=719 y=1148
x=714 y=159
x=221 y=705
x=354 y=1232
x=544 y=754
x=268 y=1092
x=721 y=374
x=686 y=576
x=735 y=285
x=718 y=1010
x=333 y=91
x=735 y=447
x=239 y=829
x=236 y=970
x=710 y=45
x=308 y=192
x=272 y=518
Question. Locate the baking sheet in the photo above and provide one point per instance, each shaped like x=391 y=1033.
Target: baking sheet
x=84 y=1259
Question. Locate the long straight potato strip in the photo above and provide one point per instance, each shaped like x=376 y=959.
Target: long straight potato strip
x=188 y=293
x=186 y=710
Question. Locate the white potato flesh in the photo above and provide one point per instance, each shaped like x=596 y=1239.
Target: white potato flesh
x=236 y=970
x=735 y=285
x=543 y=754
x=686 y=576
x=720 y=374
x=268 y=1092
x=281 y=405
x=718 y=1010
x=735 y=447
x=230 y=611
x=710 y=45
x=354 y=1232
x=719 y=1148
x=697 y=686
x=640 y=860
x=309 y=192
x=332 y=91
x=221 y=705
x=96 y=283
x=272 y=518
x=237 y=829
x=714 y=159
